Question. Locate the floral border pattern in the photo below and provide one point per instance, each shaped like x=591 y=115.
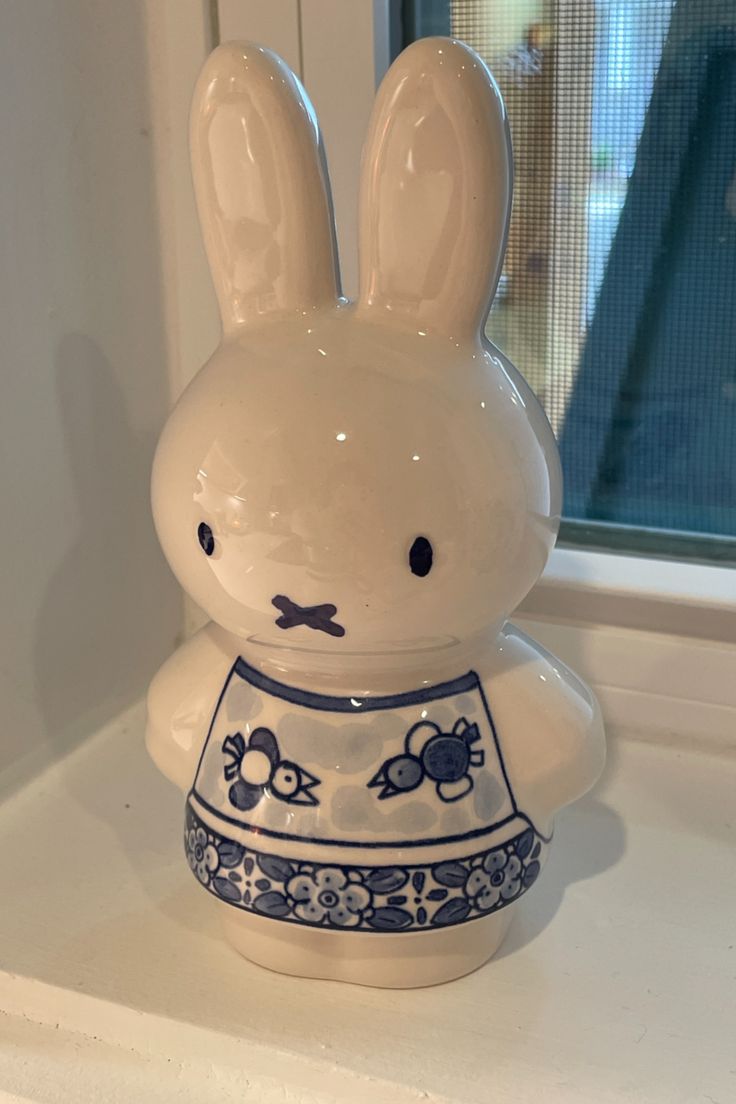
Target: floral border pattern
x=368 y=898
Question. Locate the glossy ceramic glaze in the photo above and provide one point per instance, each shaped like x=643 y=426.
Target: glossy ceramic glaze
x=359 y=495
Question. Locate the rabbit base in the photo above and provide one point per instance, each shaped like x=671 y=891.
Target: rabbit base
x=400 y=961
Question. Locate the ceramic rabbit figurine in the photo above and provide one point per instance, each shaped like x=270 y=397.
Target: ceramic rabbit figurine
x=359 y=495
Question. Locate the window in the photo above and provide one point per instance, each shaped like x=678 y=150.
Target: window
x=618 y=296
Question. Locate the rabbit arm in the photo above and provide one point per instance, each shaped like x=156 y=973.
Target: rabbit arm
x=549 y=725
x=181 y=700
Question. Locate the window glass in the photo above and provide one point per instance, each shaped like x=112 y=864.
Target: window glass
x=618 y=295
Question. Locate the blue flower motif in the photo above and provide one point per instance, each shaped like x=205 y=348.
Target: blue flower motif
x=203 y=857
x=497 y=878
x=328 y=894
x=379 y=898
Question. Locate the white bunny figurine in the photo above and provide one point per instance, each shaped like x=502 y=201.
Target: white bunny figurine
x=359 y=495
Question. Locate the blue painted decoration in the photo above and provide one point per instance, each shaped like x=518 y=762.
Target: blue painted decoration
x=314 y=617
x=255 y=768
x=444 y=757
x=365 y=898
x=206 y=538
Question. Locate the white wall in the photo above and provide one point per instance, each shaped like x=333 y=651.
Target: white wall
x=89 y=91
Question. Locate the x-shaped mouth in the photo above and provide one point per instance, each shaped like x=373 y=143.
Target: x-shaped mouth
x=314 y=617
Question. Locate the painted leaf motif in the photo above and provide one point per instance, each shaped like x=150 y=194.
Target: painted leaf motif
x=272 y=904
x=390 y=919
x=451 y=874
x=278 y=870
x=386 y=880
x=231 y=854
x=531 y=874
x=452 y=912
x=244 y=796
x=537 y=849
x=524 y=844
x=226 y=889
x=264 y=740
x=234 y=745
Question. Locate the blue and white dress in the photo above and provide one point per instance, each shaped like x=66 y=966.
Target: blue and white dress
x=376 y=814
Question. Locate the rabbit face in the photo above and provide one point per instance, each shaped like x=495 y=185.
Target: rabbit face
x=391 y=483
x=364 y=477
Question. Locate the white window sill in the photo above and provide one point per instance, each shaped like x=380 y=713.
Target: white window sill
x=655 y=638
x=636 y=592
x=614 y=983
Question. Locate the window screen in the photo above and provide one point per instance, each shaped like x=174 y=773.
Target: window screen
x=618 y=296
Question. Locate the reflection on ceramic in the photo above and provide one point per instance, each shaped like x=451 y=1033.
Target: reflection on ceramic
x=359 y=495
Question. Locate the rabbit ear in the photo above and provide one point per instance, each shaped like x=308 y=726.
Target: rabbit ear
x=436 y=190
x=261 y=185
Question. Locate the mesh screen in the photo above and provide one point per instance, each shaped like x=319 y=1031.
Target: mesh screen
x=617 y=298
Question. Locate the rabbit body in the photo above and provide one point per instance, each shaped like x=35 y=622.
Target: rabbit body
x=359 y=495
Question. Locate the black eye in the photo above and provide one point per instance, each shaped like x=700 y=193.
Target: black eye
x=205 y=538
x=420 y=557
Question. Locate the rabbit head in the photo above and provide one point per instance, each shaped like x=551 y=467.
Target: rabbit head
x=355 y=477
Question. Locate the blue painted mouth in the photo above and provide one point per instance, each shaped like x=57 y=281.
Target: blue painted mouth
x=314 y=617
